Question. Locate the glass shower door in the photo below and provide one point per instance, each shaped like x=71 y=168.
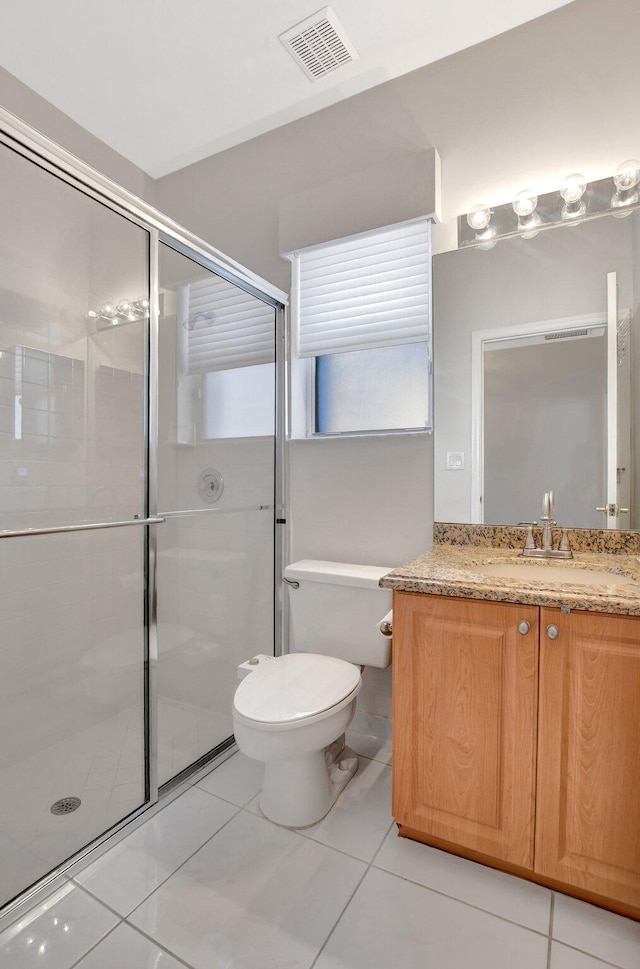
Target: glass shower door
x=74 y=288
x=216 y=447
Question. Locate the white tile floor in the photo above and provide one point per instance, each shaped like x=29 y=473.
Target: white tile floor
x=207 y=883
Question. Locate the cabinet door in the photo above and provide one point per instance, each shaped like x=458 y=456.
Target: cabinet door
x=589 y=754
x=465 y=684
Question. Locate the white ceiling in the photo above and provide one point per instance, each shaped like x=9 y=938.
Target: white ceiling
x=168 y=82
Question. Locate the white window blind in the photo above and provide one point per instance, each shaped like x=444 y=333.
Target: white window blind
x=227 y=327
x=365 y=293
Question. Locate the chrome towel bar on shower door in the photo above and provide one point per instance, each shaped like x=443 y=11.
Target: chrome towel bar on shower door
x=85 y=527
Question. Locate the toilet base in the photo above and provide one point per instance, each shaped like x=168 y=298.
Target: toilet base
x=299 y=792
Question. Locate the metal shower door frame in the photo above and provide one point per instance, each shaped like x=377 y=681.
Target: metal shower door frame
x=47 y=155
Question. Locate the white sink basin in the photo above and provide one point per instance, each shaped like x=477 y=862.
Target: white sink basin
x=543 y=572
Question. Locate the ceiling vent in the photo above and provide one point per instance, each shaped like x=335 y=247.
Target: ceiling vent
x=565 y=334
x=319 y=44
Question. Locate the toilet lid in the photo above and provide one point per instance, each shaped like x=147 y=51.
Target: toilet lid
x=295 y=686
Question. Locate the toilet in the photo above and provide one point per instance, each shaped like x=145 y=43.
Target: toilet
x=292 y=712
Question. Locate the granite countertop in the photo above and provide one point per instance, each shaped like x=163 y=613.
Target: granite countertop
x=456 y=570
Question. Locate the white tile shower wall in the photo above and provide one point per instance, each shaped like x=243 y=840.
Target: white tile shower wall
x=367 y=500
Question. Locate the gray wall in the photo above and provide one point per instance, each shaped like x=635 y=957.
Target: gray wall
x=527 y=107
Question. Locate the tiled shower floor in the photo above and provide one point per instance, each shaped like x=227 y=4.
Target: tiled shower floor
x=103 y=765
x=207 y=883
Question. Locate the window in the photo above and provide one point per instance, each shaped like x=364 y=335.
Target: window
x=239 y=402
x=362 y=334
x=221 y=340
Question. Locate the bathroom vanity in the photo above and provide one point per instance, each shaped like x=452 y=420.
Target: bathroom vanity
x=516 y=709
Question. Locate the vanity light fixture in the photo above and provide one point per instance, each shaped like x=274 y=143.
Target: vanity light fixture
x=571 y=191
x=524 y=205
x=479 y=217
x=529 y=212
x=627 y=175
x=125 y=311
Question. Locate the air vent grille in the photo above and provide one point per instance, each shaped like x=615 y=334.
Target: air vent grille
x=319 y=45
x=564 y=334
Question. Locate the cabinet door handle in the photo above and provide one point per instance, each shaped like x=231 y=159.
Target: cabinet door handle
x=552 y=631
x=524 y=627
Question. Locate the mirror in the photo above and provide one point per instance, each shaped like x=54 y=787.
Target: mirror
x=536 y=359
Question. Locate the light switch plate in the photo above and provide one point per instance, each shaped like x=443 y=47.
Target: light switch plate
x=455 y=460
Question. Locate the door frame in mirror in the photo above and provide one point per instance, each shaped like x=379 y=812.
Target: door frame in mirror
x=479 y=338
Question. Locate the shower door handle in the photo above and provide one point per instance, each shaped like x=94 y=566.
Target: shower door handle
x=84 y=527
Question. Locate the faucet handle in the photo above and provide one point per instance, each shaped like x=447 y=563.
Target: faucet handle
x=564 y=542
x=530 y=542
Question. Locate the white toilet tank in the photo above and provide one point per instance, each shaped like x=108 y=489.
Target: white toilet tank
x=336 y=611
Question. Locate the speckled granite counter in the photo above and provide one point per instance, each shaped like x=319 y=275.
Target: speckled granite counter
x=456 y=570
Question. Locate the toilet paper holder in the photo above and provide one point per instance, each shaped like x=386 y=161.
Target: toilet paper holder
x=386 y=625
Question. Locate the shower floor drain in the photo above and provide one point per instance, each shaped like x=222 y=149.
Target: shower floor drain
x=65 y=805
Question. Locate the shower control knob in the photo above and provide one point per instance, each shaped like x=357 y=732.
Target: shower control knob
x=552 y=631
x=524 y=627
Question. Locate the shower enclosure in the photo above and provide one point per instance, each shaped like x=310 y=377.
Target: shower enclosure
x=140 y=488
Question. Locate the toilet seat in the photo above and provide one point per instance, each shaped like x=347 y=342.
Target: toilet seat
x=296 y=689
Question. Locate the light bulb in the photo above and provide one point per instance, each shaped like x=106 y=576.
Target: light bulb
x=479 y=217
x=93 y=315
x=107 y=310
x=627 y=175
x=124 y=307
x=573 y=188
x=524 y=204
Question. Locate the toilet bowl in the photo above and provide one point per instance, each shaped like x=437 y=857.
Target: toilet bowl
x=292 y=713
x=286 y=715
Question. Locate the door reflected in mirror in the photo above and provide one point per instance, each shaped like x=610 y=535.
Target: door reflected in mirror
x=535 y=355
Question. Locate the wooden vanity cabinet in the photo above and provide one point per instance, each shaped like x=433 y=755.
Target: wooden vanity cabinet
x=465 y=693
x=588 y=790
x=520 y=750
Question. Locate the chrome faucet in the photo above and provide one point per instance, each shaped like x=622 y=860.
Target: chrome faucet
x=546 y=550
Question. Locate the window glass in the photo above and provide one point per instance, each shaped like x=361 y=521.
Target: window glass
x=373 y=390
x=238 y=403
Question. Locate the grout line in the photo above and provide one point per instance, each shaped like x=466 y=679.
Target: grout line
x=379 y=848
x=583 y=952
x=150 y=938
x=159 y=885
x=96 y=898
x=339 y=919
x=461 y=901
x=454 y=898
x=199 y=848
x=95 y=946
x=226 y=799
